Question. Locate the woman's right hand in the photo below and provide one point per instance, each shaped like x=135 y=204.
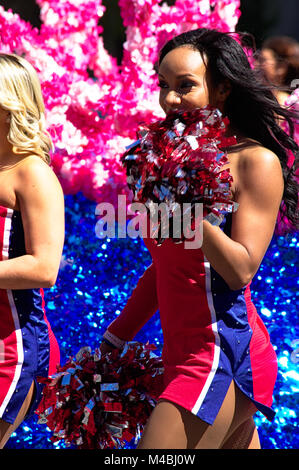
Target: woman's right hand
x=106 y=348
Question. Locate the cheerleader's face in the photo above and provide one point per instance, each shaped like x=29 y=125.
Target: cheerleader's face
x=184 y=84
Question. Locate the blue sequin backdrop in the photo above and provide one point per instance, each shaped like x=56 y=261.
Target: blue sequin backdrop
x=98 y=275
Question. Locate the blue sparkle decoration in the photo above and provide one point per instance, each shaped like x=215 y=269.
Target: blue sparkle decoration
x=97 y=277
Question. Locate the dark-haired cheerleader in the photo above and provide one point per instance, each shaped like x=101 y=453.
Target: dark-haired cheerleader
x=220 y=367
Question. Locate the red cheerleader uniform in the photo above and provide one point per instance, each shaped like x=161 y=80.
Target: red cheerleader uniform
x=212 y=334
x=28 y=347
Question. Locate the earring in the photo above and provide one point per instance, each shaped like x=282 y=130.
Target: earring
x=7 y=119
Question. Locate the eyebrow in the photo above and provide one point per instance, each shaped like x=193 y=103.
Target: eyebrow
x=183 y=75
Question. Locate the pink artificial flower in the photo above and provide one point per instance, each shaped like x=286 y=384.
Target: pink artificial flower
x=92 y=120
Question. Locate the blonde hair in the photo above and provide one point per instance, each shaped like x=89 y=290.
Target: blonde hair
x=21 y=95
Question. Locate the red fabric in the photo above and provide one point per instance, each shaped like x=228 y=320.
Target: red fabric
x=179 y=284
x=261 y=353
x=54 y=360
x=9 y=346
x=140 y=307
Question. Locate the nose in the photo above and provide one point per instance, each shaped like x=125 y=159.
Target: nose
x=171 y=100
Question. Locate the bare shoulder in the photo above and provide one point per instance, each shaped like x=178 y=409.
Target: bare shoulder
x=32 y=165
x=33 y=171
x=259 y=165
x=257 y=156
x=36 y=185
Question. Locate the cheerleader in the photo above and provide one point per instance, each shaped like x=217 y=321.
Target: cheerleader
x=220 y=366
x=31 y=242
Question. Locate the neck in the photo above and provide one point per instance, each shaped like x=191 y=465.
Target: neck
x=241 y=140
x=231 y=131
x=7 y=155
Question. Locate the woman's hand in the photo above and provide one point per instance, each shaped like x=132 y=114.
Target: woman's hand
x=105 y=348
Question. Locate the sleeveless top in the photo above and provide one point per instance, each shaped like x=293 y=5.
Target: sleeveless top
x=28 y=347
x=212 y=334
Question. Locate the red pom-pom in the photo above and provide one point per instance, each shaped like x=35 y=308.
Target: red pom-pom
x=102 y=401
x=179 y=160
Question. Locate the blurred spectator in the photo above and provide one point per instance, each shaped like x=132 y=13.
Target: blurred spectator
x=279 y=61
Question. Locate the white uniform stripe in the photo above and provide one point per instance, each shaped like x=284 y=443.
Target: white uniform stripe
x=6 y=234
x=20 y=353
x=216 y=357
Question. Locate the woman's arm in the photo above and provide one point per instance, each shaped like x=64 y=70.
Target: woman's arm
x=41 y=202
x=140 y=307
x=259 y=194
